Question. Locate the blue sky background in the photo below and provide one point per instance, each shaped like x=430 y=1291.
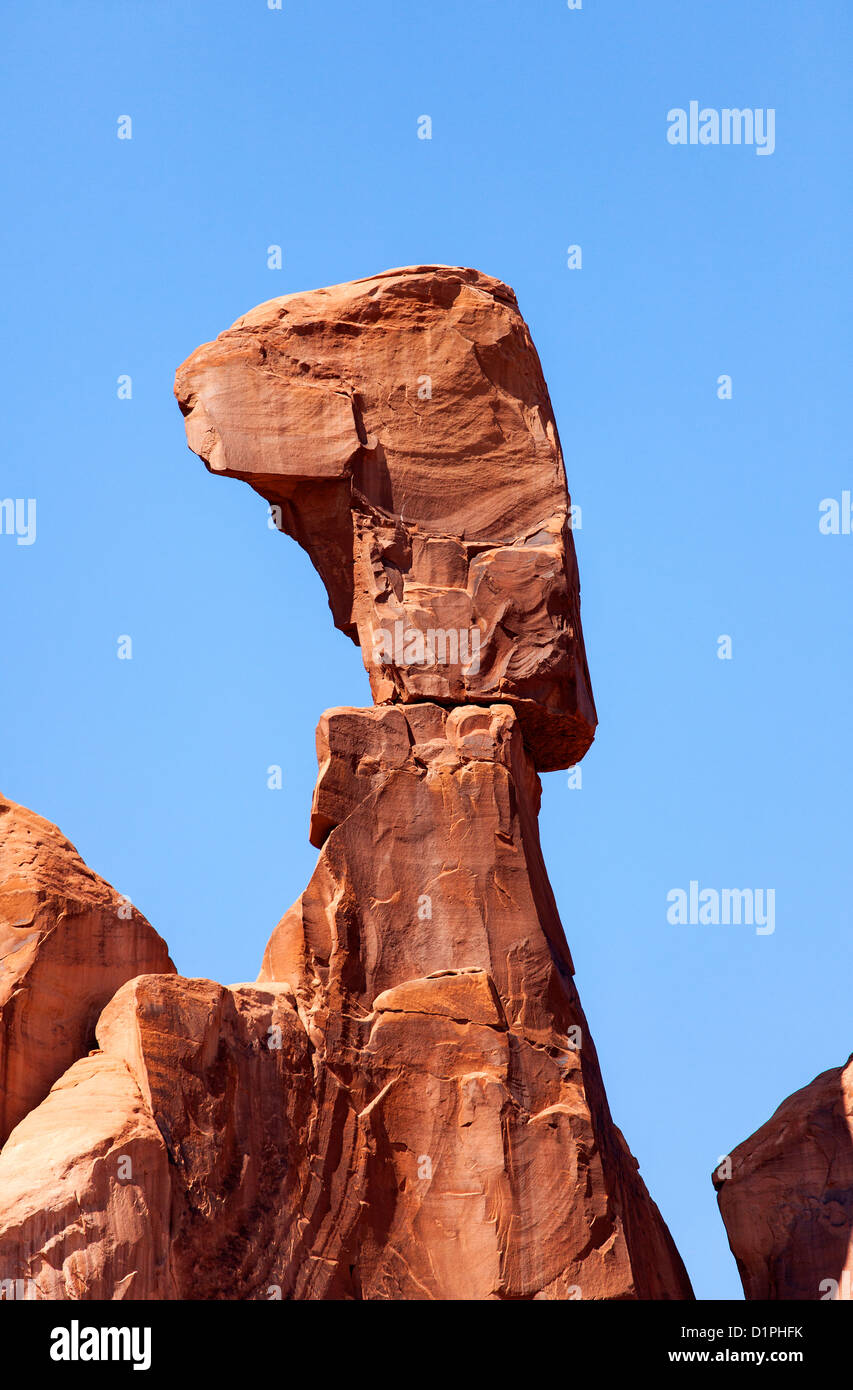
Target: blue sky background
x=700 y=516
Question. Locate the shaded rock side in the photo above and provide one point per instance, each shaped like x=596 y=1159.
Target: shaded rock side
x=67 y=942
x=788 y=1204
x=402 y=428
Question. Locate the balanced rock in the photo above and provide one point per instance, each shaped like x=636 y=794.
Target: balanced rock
x=67 y=941
x=400 y=427
x=787 y=1197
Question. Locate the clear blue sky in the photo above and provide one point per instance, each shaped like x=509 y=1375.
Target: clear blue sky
x=699 y=516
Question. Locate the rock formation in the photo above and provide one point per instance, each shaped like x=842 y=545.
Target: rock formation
x=407 y=1104
x=787 y=1201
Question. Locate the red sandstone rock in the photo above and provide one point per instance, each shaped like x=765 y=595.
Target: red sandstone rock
x=788 y=1204
x=402 y=426
x=85 y=1192
x=171 y=1164
x=67 y=941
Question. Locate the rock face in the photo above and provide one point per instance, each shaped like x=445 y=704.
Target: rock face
x=401 y=426
x=407 y=1104
x=788 y=1204
x=67 y=941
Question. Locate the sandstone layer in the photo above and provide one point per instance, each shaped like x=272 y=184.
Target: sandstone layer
x=402 y=428
x=788 y=1204
x=67 y=941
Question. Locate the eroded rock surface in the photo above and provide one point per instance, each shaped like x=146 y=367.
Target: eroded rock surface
x=402 y=427
x=788 y=1204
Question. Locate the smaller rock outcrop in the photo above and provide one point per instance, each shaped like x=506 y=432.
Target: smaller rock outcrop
x=167 y=1164
x=67 y=942
x=788 y=1203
